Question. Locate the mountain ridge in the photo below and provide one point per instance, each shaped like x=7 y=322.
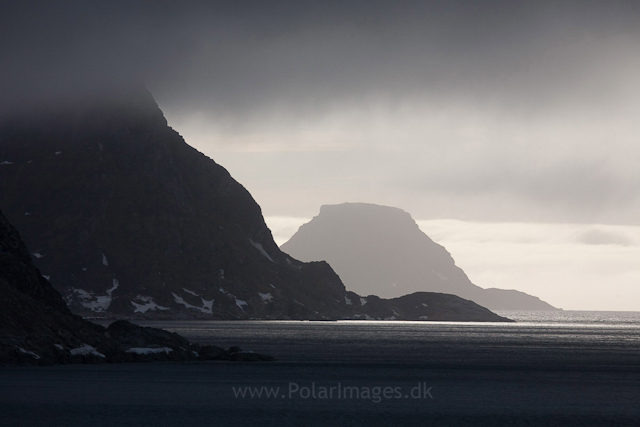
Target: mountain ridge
x=381 y=250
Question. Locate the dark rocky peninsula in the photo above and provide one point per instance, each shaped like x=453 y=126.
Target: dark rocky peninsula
x=36 y=327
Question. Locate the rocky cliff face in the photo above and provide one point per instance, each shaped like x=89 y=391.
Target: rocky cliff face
x=380 y=250
x=36 y=327
x=126 y=219
x=30 y=309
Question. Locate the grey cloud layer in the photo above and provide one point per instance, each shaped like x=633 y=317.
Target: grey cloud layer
x=467 y=102
x=242 y=55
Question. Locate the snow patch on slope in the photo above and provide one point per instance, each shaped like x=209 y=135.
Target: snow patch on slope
x=206 y=308
x=259 y=247
x=266 y=297
x=86 y=350
x=114 y=287
x=208 y=305
x=149 y=304
x=101 y=302
x=240 y=303
x=30 y=353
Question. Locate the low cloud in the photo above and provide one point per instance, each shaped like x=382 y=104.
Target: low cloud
x=492 y=111
x=596 y=236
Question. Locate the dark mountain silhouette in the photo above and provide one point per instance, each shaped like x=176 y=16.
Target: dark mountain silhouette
x=127 y=220
x=380 y=250
x=37 y=328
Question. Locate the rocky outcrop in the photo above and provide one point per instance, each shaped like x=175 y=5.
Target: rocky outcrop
x=132 y=343
x=36 y=327
x=442 y=307
x=381 y=250
x=429 y=306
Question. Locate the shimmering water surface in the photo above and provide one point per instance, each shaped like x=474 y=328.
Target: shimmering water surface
x=539 y=338
x=549 y=369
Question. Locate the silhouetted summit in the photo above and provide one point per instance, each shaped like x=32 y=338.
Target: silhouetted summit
x=381 y=250
x=125 y=218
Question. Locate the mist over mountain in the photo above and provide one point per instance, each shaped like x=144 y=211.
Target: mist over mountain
x=125 y=219
x=381 y=250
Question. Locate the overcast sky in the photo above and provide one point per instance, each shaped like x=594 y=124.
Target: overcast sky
x=479 y=111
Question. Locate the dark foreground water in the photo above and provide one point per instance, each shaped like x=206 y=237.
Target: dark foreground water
x=550 y=369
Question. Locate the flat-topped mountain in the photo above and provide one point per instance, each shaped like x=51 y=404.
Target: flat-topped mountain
x=380 y=250
x=127 y=220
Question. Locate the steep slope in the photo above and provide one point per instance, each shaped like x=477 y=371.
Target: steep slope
x=380 y=250
x=33 y=317
x=127 y=219
x=36 y=327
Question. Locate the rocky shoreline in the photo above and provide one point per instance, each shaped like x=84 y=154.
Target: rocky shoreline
x=37 y=328
x=121 y=342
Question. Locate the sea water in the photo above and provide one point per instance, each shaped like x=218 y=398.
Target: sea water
x=549 y=369
x=538 y=338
